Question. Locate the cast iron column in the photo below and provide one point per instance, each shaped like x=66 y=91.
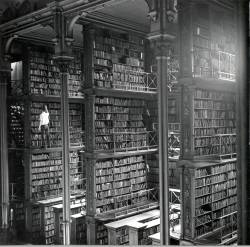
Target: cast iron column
x=242 y=124
x=63 y=65
x=162 y=90
x=161 y=35
x=4 y=78
x=63 y=57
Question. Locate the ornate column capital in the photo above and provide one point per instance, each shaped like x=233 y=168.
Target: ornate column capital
x=63 y=63
x=163 y=47
x=164 y=7
x=5 y=69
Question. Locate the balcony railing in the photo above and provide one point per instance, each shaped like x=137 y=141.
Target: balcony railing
x=228 y=228
x=128 y=203
x=127 y=141
x=227 y=144
x=220 y=145
x=137 y=81
x=214 y=64
x=226 y=66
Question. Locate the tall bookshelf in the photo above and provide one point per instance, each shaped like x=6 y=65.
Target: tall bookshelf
x=209 y=194
x=118 y=136
x=36 y=82
x=78 y=229
x=208 y=120
x=77 y=212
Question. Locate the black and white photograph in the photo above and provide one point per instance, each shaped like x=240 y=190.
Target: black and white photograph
x=124 y=122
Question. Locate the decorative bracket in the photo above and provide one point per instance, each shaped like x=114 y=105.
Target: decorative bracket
x=155 y=9
x=72 y=22
x=9 y=43
x=153 y=15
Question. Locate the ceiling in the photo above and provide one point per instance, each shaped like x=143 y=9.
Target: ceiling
x=118 y=12
x=131 y=10
x=10 y=9
x=130 y=13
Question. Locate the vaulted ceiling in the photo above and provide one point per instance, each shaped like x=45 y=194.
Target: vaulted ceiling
x=122 y=13
x=132 y=14
x=10 y=9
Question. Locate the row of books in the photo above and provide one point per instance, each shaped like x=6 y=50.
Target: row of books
x=45 y=156
x=101 y=234
x=119 y=102
x=133 y=198
x=16 y=125
x=121 y=169
x=217 y=187
x=230 y=166
x=214 y=95
x=120 y=184
x=203 y=229
x=45 y=77
x=212 y=149
x=209 y=114
x=224 y=203
x=219 y=195
x=123 y=68
x=75 y=124
x=202 y=220
x=46 y=173
x=109 y=177
x=128 y=160
x=145 y=233
x=212 y=123
x=115 y=38
x=116 y=138
x=211 y=179
x=214 y=170
x=224 y=211
x=214 y=131
x=214 y=105
x=118 y=116
x=119 y=43
x=120 y=191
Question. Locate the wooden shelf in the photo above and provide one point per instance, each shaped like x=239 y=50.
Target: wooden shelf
x=110 y=92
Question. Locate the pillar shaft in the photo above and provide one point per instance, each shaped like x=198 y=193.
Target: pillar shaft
x=243 y=171
x=162 y=68
x=4 y=150
x=65 y=158
x=5 y=70
x=161 y=36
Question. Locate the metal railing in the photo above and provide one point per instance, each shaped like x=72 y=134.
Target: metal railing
x=127 y=141
x=226 y=66
x=174 y=127
x=137 y=81
x=221 y=145
x=221 y=65
x=228 y=227
x=227 y=144
x=150 y=194
x=130 y=199
x=174 y=196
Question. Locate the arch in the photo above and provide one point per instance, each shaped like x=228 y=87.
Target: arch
x=73 y=22
x=9 y=43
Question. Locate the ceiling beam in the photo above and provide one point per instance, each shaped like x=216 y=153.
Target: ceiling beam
x=45 y=15
x=105 y=20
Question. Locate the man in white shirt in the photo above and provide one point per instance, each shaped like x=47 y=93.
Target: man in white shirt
x=44 y=127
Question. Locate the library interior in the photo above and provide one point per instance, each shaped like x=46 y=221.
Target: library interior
x=124 y=122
